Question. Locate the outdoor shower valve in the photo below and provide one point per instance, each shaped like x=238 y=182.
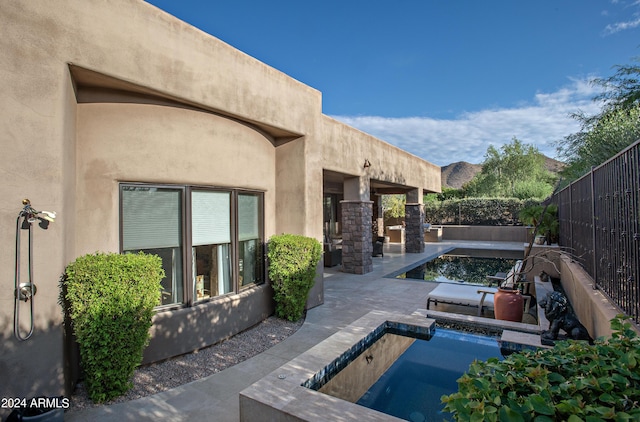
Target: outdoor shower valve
x=26 y=291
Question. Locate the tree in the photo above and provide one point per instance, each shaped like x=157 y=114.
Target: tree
x=393 y=206
x=609 y=132
x=516 y=170
x=622 y=90
x=600 y=138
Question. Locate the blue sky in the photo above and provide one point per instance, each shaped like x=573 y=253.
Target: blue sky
x=442 y=79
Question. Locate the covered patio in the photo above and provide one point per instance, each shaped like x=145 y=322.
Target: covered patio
x=353 y=219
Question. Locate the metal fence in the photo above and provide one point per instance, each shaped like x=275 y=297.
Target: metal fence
x=600 y=226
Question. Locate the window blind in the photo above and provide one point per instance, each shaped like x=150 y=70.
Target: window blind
x=248 y=213
x=210 y=217
x=150 y=218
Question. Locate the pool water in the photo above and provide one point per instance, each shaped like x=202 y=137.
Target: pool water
x=452 y=268
x=412 y=386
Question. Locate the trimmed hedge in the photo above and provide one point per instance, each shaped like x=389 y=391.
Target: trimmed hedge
x=110 y=300
x=574 y=381
x=476 y=211
x=292 y=269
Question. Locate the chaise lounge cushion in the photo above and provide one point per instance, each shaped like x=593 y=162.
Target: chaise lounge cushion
x=462 y=294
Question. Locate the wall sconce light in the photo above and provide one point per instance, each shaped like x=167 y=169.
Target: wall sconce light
x=367 y=164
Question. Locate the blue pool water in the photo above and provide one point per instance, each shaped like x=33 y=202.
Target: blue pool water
x=411 y=388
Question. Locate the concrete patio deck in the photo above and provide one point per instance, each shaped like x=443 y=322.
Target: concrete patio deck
x=347 y=297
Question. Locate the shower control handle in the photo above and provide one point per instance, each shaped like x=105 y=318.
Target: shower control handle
x=26 y=291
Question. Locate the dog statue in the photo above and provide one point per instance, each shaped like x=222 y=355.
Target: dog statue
x=556 y=309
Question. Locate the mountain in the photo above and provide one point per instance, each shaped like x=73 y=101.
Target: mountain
x=455 y=175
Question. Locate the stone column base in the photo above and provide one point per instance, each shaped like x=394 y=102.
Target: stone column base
x=414 y=230
x=357 y=245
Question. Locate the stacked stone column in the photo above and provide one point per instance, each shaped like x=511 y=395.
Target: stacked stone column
x=414 y=229
x=357 y=245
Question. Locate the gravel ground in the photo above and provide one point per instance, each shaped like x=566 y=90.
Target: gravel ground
x=174 y=372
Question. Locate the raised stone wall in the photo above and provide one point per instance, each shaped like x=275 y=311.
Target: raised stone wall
x=357 y=245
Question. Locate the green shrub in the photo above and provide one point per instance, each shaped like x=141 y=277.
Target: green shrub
x=475 y=211
x=573 y=381
x=110 y=300
x=292 y=270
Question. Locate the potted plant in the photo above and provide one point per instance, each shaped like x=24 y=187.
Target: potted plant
x=544 y=221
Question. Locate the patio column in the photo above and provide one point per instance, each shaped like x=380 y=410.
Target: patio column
x=357 y=215
x=414 y=221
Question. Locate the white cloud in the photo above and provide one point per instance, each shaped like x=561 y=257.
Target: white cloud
x=625 y=25
x=621 y=26
x=542 y=123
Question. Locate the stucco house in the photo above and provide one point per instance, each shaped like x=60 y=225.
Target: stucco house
x=144 y=133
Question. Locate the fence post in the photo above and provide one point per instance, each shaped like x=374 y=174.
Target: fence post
x=593 y=232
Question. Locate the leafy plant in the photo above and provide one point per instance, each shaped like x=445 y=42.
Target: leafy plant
x=547 y=223
x=292 y=270
x=110 y=300
x=574 y=381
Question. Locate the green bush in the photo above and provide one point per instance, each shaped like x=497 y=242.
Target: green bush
x=475 y=211
x=574 y=381
x=292 y=270
x=110 y=300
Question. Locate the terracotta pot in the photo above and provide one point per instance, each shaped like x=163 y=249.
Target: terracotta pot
x=508 y=305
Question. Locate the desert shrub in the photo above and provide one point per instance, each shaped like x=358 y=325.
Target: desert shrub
x=110 y=300
x=292 y=270
x=573 y=381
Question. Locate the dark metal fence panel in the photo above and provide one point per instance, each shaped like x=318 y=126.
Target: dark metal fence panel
x=600 y=226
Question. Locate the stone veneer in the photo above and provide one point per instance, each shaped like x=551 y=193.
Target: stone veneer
x=357 y=245
x=414 y=230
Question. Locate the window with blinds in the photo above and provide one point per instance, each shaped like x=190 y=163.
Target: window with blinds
x=211 y=239
x=223 y=258
x=250 y=267
x=152 y=223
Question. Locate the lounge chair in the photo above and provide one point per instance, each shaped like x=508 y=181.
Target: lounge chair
x=463 y=294
x=479 y=296
x=510 y=279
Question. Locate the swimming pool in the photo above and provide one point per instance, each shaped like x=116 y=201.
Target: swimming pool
x=458 y=265
x=403 y=375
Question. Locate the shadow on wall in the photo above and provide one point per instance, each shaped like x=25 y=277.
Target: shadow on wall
x=185 y=330
x=33 y=367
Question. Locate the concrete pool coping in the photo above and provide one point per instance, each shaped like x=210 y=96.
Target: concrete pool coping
x=280 y=395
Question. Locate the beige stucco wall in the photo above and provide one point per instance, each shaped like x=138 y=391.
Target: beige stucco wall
x=155 y=144
x=486 y=233
x=592 y=308
x=590 y=305
x=68 y=157
x=344 y=149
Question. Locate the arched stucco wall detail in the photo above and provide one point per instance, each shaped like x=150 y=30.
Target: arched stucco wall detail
x=164 y=145
x=169 y=145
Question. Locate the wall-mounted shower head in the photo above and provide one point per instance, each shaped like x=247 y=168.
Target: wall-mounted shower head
x=31 y=215
x=49 y=215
